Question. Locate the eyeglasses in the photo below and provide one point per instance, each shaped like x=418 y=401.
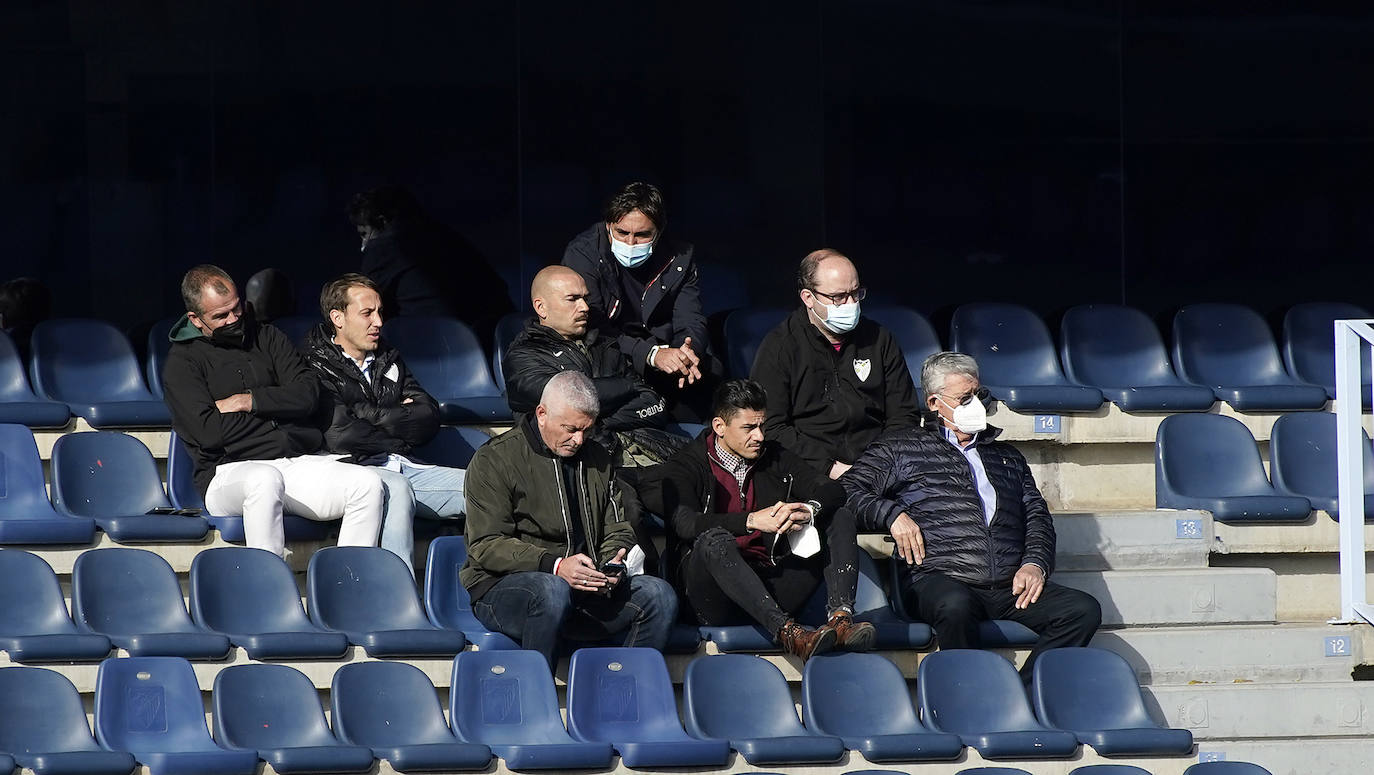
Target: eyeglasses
x=858 y=294
x=981 y=394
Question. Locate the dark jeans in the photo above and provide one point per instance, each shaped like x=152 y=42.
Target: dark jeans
x=535 y=609
x=722 y=588
x=1061 y=617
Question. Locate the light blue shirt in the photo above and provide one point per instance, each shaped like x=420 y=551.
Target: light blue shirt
x=986 y=493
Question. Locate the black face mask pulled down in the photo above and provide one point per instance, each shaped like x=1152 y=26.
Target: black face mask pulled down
x=234 y=334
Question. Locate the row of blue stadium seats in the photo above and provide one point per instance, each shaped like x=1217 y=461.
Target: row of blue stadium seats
x=130 y=598
x=1108 y=352
x=619 y=701
x=1212 y=462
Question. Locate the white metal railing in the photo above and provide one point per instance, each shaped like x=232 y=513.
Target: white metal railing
x=1352 y=336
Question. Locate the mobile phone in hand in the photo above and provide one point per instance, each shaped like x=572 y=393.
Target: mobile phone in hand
x=612 y=569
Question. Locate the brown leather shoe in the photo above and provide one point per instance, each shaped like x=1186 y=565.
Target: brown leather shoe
x=804 y=642
x=851 y=635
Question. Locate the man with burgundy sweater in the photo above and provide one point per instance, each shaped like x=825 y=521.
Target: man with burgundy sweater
x=755 y=530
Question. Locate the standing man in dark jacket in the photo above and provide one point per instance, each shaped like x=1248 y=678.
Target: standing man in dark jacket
x=244 y=403
x=745 y=542
x=643 y=292
x=974 y=538
x=835 y=380
x=376 y=412
x=547 y=538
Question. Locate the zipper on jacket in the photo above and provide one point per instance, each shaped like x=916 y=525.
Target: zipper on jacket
x=982 y=516
x=593 y=541
x=563 y=502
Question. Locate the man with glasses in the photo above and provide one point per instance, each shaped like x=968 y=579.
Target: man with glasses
x=974 y=538
x=835 y=380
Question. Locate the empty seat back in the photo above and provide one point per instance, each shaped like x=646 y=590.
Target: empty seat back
x=447 y=602
x=1309 y=342
x=85 y=361
x=41 y=714
x=1010 y=342
x=268 y=706
x=621 y=694
x=452 y=446
x=504 y=698
x=969 y=691
x=158 y=346
x=31 y=601
x=386 y=704
x=127 y=592
x=104 y=473
x=1302 y=458
x=1113 y=345
x=1225 y=768
x=443 y=354
x=296 y=328
x=744 y=332
x=506 y=330
x=913 y=332
x=18 y=403
x=1226 y=345
x=851 y=695
x=1208 y=455
x=243 y=590
x=360 y=589
x=732 y=696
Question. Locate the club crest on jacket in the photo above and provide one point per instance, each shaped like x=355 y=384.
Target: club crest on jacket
x=862 y=368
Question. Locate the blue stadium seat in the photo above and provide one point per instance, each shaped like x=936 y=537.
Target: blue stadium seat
x=446 y=358
x=112 y=478
x=132 y=597
x=1016 y=359
x=181 y=488
x=745 y=700
x=34 y=625
x=453 y=446
x=1230 y=349
x=993 y=771
x=18 y=403
x=978 y=696
x=992 y=633
x=1093 y=694
x=274 y=711
x=1226 y=768
x=44 y=723
x=1211 y=462
x=250 y=595
x=507 y=328
x=446 y=599
x=392 y=708
x=158 y=347
x=744 y=332
x=870 y=605
x=368 y=593
x=1109 y=769
x=623 y=696
x=1302 y=460
x=863 y=700
x=90 y=366
x=151 y=707
x=1309 y=346
x=26 y=516
x=1118 y=350
x=296 y=327
x=913 y=332
x=507 y=700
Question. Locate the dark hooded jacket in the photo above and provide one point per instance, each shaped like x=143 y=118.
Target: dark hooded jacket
x=539 y=352
x=369 y=420
x=827 y=406
x=919 y=472
x=669 y=309
x=285 y=392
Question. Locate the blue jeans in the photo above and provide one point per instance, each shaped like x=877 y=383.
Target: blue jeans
x=535 y=609
x=433 y=493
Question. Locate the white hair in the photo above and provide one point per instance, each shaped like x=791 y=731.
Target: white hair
x=572 y=389
x=941 y=365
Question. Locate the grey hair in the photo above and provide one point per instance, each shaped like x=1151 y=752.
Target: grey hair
x=941 y=365
x=572 y=389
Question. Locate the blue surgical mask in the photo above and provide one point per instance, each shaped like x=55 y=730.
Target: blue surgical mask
x=841 y=318
x=631 y=256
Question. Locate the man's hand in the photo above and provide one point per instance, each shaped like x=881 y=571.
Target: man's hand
x=911 y=546
x=837 y=469
x=239 y=402
x=682 y=361
x=611 y=581
x=581 y=573
x=1027 y=584
x=779 y=518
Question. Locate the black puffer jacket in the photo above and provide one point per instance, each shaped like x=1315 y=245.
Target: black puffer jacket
x=368 y=421
x=919 y=472
x=539 y=352
x=671 y=306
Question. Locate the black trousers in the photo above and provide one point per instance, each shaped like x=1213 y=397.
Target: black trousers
x=1061 y=617
x=722 y=588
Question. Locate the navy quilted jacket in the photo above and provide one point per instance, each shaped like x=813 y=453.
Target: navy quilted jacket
x=918 y=472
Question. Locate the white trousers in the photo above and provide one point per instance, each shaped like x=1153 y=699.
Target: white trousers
x=312 y=486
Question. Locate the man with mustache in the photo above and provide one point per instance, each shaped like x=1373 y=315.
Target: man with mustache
x=376 y=413
x=244 y=403
x=755 y=530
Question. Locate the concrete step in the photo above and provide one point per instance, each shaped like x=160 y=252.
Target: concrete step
x=1296 y=757
x=1183 y=596
x=1318 y=534
x=1309 y=584
x=1240 y=653
x=1257 y=711
x=1132 y=540
x=178 y=555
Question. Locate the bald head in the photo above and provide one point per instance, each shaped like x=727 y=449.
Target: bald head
x=559 y=296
